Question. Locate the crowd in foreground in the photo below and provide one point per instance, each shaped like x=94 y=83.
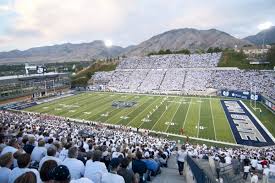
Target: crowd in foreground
x=42 y=148
x=45 y=148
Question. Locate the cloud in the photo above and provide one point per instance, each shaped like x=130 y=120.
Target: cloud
x=4 y=8
x=65 y=20
x=30 y=23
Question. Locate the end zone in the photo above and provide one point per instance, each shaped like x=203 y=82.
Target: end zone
x=246 y=127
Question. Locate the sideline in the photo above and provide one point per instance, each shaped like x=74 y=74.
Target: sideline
x=259 y=122
x=142 y=130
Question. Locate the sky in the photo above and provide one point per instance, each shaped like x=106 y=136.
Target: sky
x=32 y=23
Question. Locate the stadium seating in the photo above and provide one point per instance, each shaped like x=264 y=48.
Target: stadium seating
x=184 y=74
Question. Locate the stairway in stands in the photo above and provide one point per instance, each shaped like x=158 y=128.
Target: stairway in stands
x=184 y=81
x=162 y=79
x=170 y=174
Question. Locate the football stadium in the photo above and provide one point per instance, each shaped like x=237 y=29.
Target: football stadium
x=187 y=105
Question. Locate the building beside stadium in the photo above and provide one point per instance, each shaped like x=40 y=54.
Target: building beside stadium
x=34 y=85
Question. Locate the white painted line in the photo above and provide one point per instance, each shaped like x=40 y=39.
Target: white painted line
x=160 y=117
x=172 y=118
x=186 y=113
x=141 y=112
x=199 y=119
x=213 y=121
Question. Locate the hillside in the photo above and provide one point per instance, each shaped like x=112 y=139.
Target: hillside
x=174 y=40
x=82 y=77
x=59 y=53
x=266 y=36
x=187 y=38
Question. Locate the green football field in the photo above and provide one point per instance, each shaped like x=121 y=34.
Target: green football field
x=198 y=116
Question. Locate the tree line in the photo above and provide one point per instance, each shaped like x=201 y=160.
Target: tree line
x=185 y=51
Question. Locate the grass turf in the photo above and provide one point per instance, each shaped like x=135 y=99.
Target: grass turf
x=200 y=117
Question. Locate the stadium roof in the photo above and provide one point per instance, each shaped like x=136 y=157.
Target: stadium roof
x=30 y=75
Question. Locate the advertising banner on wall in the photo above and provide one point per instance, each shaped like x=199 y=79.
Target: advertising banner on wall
x=241 y=94
x=269 y=103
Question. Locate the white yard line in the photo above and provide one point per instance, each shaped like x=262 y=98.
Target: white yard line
x=199 y=120
x=141 y=113
x=213 y=119
x=161 y=116
x=119 y=113
x=134 y=109
x=187 y=113
x=106 y=106
x=173 y=117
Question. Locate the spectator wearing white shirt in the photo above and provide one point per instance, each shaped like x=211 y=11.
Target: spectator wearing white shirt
x=181 y=156
x=246 y=171
x=254 y=163
x=265 y=173
x=112 y=176
x=39 y=152
x=23 y=164
x=75 y=166
x=228 y=159
x=64 y=152
x=117 y=153
x=12 y=147
x=49 y=143
x=254 y=178
x=50 y=156
x=5 y=164
x=94 y=169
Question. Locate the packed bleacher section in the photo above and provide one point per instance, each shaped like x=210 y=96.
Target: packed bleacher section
x=47 y=148
x=184 y=74
x=261 y=81
x=29 y=141
x=171 y=61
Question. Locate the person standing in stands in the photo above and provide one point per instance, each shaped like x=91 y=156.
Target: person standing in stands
x=181 y=156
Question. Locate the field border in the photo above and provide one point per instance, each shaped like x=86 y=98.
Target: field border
x=258 y=121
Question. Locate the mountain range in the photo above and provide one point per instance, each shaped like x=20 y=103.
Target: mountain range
x=186 y=38
x=266 y=36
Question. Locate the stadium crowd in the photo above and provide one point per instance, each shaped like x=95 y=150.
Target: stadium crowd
x=171 y=61
x=49 y=148
x=42 y=148
x=185 y=74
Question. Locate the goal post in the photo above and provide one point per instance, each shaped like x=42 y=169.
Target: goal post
x=254 y=98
